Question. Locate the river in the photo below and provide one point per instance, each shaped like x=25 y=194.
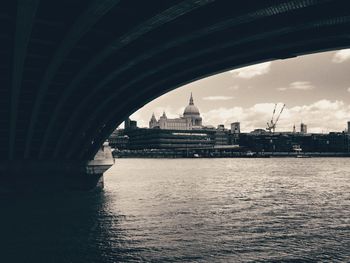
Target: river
x=190 y=210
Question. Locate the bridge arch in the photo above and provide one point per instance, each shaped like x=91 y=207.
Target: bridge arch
x=80 y=67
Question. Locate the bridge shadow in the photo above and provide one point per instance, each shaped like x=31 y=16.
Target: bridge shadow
x=74 y=227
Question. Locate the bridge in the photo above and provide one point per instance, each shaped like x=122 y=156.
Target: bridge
x=72 y=71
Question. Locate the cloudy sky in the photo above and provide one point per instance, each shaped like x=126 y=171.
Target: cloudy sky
x=315 y=89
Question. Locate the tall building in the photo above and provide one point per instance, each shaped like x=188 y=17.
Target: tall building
x=190 y=120
x=221 y=135
x=235 y=132
x=235 y=127
x=130 y=124
x=303 y=128
x=348 y=126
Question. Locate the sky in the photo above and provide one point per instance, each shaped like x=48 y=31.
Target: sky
x=315 y=89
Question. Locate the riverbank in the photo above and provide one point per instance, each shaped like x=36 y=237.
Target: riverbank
x=220 y=154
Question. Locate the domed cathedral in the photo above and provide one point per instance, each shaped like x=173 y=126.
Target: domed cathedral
x=191 y=112
x=190 y=120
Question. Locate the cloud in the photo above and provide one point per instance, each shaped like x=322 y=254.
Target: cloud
x=298 y=85
x=301 y=85
x=348 y=89
x=235 y=87
x=216 y=98
x=252 y=71
x=320 y=116
x=282 y=89
x=341 y=56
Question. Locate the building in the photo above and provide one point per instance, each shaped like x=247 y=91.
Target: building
x=348 y=126
x=130 y=124
x=235 y=132
x=144 y=138
x=209 y=138
x=259 y=131
x=303 y=128
x=236 y=128
x=118 y=140
x=221 y=135
x=191 y=119
x=334 y=142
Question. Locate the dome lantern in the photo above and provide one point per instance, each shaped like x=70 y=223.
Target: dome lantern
x=191 y=109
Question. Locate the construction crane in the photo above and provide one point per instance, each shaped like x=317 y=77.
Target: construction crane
x=271 y=126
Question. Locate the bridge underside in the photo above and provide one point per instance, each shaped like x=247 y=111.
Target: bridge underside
x=47 y=176
x=71 y=71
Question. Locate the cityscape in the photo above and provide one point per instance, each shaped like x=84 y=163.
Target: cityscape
x=185 y=136
x=175 y=131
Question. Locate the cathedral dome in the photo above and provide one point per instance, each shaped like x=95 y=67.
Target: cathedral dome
x=191 y=109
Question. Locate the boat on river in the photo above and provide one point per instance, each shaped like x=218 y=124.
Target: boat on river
x=299 y=154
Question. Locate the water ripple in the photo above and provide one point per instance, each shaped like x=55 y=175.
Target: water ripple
x=191 y=210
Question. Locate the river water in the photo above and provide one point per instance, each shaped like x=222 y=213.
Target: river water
x=190 y=210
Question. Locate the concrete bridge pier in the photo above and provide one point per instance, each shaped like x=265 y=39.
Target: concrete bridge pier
x=47 y=176
x=55 y=175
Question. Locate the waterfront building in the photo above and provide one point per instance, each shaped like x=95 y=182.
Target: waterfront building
x=303 y=128
x=187 y=133
x=258 y=132
x=284 y=142
x=191 y=119
x=235 y=132
x=119 y=142
x=236 y=127
x=130 y=124
x=221 y=135
x=144 y=138
x=118 y=139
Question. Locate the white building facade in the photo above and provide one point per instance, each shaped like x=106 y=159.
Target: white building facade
x=190 y=120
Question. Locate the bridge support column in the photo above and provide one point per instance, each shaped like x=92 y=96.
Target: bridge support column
x=47 y=176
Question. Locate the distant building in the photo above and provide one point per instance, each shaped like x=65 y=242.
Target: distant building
x=130 y=124
x=235 y=128
x=334 y=142
x=221 y=135
x=143 y=138
x=303 y=128
x=348 y=126
x=190 y=120
x=118 y=140
x=258 y=131
x=233 y=135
